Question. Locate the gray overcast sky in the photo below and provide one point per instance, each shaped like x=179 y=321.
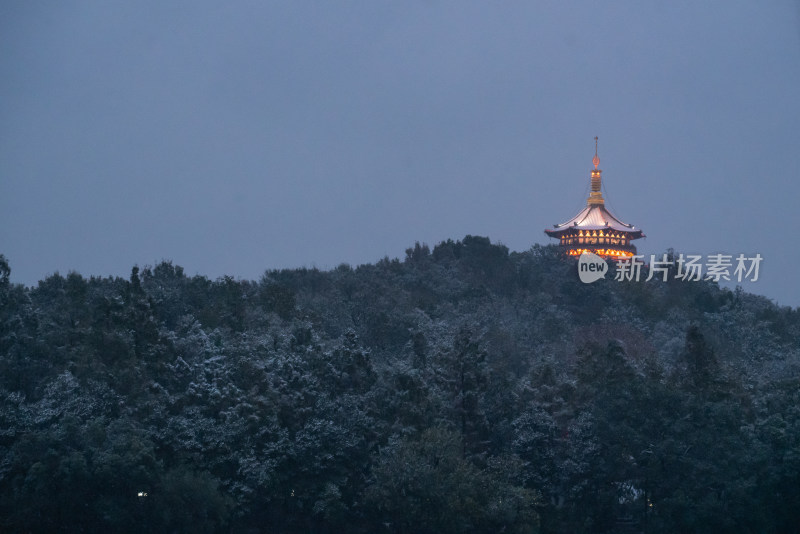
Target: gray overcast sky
x=236 y=137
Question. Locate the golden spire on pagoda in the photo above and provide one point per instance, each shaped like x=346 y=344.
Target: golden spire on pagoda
x=596 y=196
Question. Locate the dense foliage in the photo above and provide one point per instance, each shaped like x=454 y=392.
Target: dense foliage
x=464 y=389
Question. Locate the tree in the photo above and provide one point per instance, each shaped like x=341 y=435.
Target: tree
x=424 y=485
x=462 y=374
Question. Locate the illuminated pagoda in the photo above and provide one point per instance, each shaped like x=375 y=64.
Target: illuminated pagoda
x=595 y=229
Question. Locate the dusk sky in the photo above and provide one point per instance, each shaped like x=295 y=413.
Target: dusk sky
x=232 y=138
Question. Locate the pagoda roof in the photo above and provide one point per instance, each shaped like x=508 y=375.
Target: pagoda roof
x=595 y=217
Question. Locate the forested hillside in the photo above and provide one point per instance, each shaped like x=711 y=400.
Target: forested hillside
x=463 y=389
